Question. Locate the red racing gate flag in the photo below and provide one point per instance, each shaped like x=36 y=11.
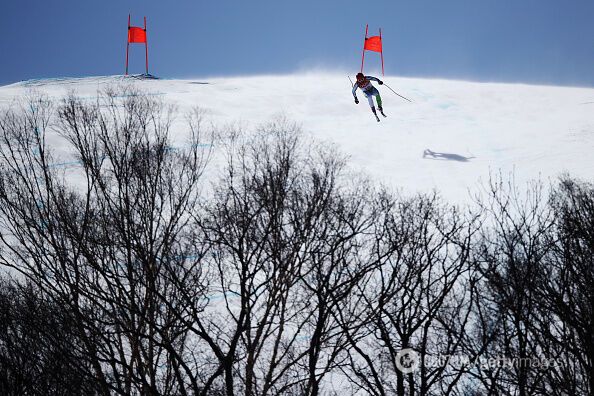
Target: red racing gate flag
x=137 y=35
x=373 y=43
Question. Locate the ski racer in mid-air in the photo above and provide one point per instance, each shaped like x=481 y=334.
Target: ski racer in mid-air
x=364 y=83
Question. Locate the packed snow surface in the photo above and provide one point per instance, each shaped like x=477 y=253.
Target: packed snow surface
x=467 y=130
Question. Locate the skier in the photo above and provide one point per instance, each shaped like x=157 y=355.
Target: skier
x=364 y=83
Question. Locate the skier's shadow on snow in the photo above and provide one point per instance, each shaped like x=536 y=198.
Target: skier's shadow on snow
x=445 y=156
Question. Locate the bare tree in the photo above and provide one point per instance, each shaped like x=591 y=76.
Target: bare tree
x=286 y=275
x=108 y=247
x=511 y=253
x=419 y=298
x=566 y=290
x=36 y=339
x=281 y=231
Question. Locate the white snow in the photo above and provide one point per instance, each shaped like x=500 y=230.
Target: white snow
x=532 y=131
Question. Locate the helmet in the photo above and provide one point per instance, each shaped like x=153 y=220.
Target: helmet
x=360 y=76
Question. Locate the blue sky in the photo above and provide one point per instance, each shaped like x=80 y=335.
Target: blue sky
x=532 y=41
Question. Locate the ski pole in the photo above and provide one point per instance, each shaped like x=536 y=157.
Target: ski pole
x=386 y=85
x=351 y=81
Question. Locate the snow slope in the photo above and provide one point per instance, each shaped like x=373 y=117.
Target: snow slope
x=532 y=131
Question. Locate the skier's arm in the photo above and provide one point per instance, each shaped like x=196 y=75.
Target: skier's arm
x=355 y=93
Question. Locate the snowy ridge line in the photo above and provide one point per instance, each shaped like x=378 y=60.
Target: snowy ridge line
x=67 y=80
x=34 y=82
x=125 y=96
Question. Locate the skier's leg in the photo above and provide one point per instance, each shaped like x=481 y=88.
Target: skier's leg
x=374 y=113
x=378 y=98
x=379 y=104
x=370 y=100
